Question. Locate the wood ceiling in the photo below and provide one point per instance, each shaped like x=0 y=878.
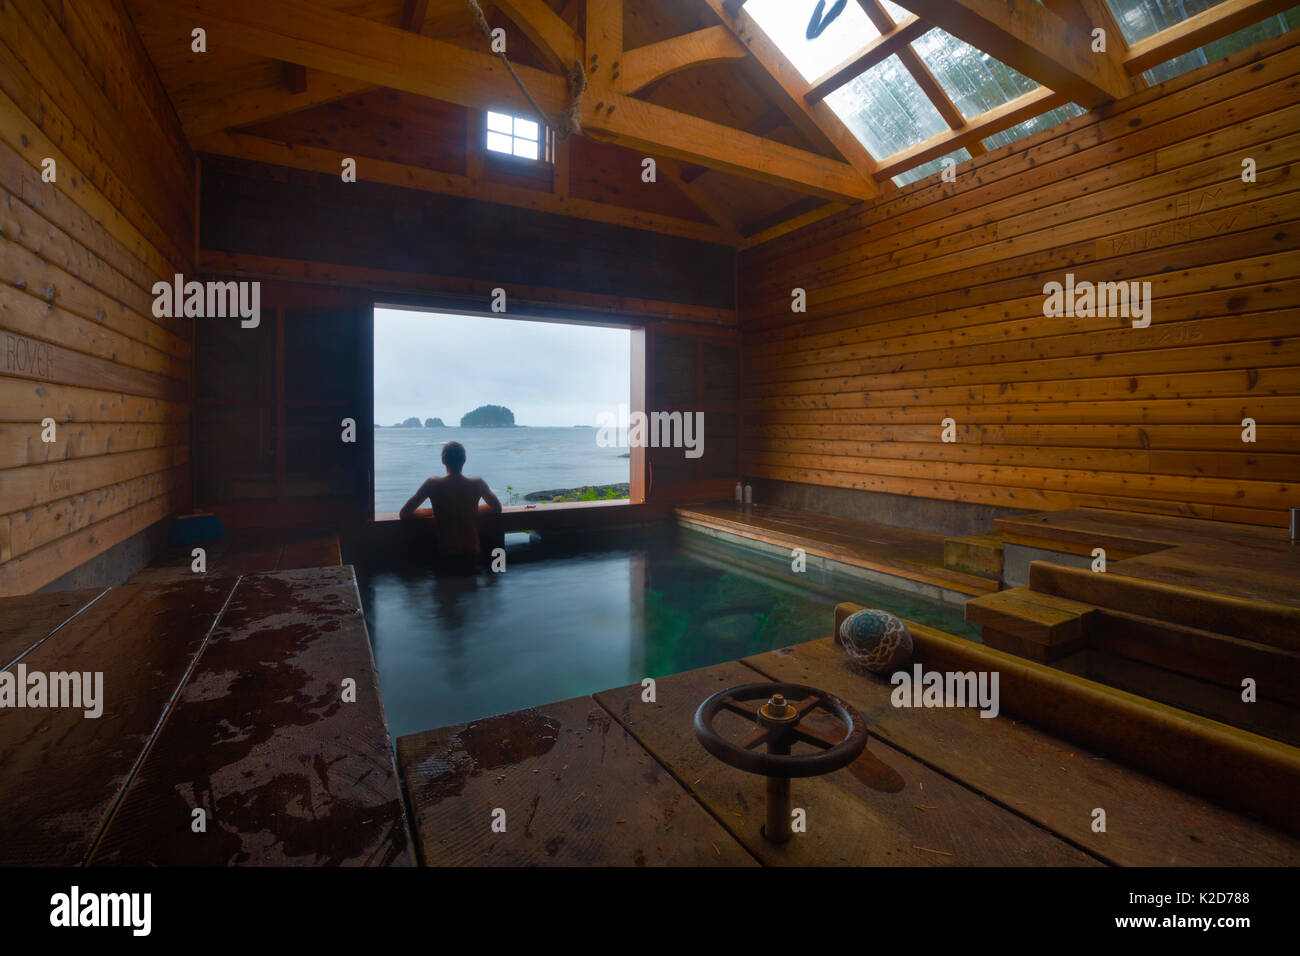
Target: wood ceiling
x=745 y=147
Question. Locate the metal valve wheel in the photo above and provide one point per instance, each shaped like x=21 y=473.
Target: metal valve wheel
x=779 y=728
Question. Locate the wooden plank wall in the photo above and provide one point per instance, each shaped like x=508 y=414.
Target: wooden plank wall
x=929 y=305
x=78 y=259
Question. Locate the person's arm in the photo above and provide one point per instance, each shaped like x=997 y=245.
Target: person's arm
x=417 y=499
x=493 y=502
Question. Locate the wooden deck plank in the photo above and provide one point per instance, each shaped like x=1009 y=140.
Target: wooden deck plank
x=576 y=788
x=1051 y=781
x=913 y=555
x=64 y=771
x=27 y=620
x=886 y=809
x=261 y=738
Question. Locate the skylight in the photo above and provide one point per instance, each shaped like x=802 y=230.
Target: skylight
x=786 y=24
x=973 y=80
x=886 y=109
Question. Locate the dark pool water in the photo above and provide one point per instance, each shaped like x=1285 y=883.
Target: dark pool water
x=562 y=623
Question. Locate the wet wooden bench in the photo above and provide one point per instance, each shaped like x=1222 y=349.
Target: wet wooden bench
x=219 y=693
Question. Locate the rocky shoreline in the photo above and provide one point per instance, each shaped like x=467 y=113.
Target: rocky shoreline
x=583 y=493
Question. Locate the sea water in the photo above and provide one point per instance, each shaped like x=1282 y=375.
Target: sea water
x=512 y=460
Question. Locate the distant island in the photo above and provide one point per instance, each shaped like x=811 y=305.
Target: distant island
x=414 y=422
x=488 y=416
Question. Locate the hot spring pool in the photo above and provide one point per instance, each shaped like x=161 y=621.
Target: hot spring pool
x=562 y=623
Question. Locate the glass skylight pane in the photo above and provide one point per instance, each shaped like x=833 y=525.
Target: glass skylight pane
x=896 y=13
x=526 y=129
x=973 y=80
x=786 y=24
x=885 y=109
x=499 y=122
x=1139 y=19
x=930 y=168
x=499 y=142
x=1029 y=127
x=526 y=148
x=1274 y=26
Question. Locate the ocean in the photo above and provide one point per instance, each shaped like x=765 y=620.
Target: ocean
x=518 y=460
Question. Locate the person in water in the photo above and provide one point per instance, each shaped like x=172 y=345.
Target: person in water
x=456 y=507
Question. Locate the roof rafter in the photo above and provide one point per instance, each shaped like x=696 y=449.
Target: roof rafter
x=382 y=55
x=1023 y=107
x=913 y=63
x=298 y=156
x=1196 y=31
x=881 y=48
x=792 y=83
x=555 y=40
x=1033 y=40
x=644 y=65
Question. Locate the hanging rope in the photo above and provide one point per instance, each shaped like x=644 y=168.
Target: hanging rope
x=568 y=122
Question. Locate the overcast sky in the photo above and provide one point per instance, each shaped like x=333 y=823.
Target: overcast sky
x=434 y=365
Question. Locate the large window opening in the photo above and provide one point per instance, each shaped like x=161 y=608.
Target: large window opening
x=524 y=398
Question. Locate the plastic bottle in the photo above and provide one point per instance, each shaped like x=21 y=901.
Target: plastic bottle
x=749 y=494
x=739 y=493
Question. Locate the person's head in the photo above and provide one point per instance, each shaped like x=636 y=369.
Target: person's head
x=453 y=456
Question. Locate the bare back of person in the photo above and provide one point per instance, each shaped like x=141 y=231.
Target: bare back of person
x=455 y=500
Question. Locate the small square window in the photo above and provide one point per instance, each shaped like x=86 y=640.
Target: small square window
x=516 y=136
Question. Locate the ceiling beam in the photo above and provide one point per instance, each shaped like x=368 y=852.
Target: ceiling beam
x=604 y=41
x=878 y=50
x=1023 y=107
x=294 y=77
x=651 y=62
x=1196 y=31
x=314 y=159
x=381 y=55
x=256 y=106
x=794 y=86
x=413 y=14
x=1030 y=38
x=559 y=45
x=1089 y=15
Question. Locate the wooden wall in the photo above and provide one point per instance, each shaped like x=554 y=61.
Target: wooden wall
x=78 y=258
x=253 y=217
x=929 y=305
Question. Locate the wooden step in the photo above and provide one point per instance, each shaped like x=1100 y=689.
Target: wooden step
x=974 y=554
x=1021 y=621
x=1259 y=621
x=1216 y=658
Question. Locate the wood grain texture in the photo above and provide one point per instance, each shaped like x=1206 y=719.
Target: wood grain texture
x=576 y=788
x=288 y=772
x=1046 y=779
x=885 y=809
x=65 y=771
x=928 y=304
x=79 y=342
